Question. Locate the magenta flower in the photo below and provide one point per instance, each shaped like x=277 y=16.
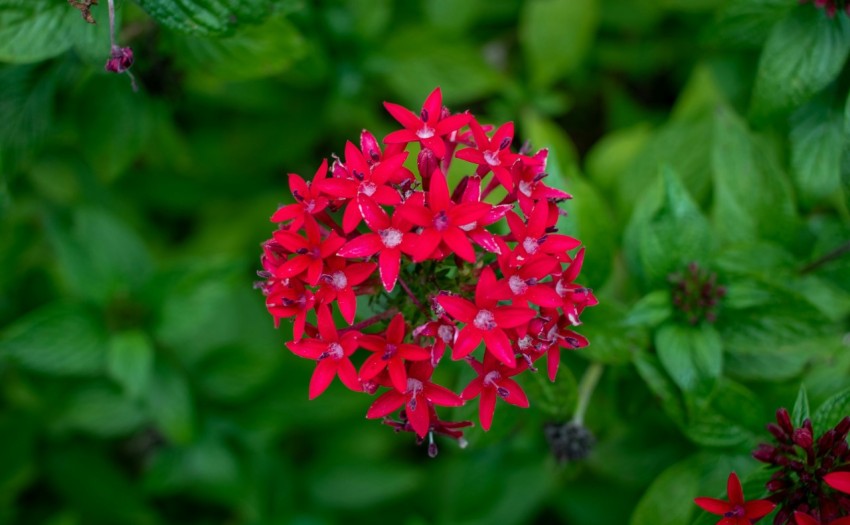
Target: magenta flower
x=736 y=511
x=339 y=282
x=492 y=154
x=429 y=127
x=390 y=354
x=310 y=253
x=485 y=321
x=308 y=199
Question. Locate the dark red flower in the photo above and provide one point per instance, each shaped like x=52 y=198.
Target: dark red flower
x=429 y=127
x=805 y=519
x=736 y=511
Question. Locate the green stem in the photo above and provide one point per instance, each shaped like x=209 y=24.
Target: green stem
x=585 y=389
x=372 y=320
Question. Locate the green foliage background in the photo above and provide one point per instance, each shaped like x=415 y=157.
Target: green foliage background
x=142 y=382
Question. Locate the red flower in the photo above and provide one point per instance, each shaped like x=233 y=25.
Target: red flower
x=485 y=321
x=805 y=519
x=310 y=253
x=389 y=237
x=291 y=301
x=338 y=284
x=736 y=511
x=417 y=397
x=839 y=481
x=332 y=352
x=441 y=220
x=532 y=238
x=494 y=381
x=308 y=199
x=492 y=154
x=429 y=127
x=390 y=354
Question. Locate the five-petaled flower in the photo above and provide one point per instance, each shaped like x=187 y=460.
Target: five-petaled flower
x=494 y=381
x=736 y=511
x=429 y=127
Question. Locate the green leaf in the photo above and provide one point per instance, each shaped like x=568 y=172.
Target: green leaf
x=233 y=373
x=649 y=368
x=612 y=155
x=59 y=339
x=666 y=233
x=555 y=36
x=817 y=142
x=651 y=310
x=749 y=22
x=170 y=404
x=378 y=484
x=413 y=61
x=800 y=411
x=33 y=30
x=740 y=405
x=748 y=199
x=253 y=51
x=669 y=500
x=557 y=400
x=831 y=412
x=17 y=455
x=692 y=355
x=709 y=428
x=804 y=53
x=205 y=17
x=100 y=410
x=100 y=256
x=130 y=361
x=612 y=341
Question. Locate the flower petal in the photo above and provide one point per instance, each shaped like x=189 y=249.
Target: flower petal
x=468 y=340
x=417 y=414
x=347 y=303
x=516 y=396
x=457 y=241
x=473 y=388
x=499 y=345
x=838 y=481
x=805 y=519
x=364 y=245
x=398 y=374
x=433 y=105
x=734 y=490
x=374 y=365
x=348 y=375
x=713 y=505
x=322 y=376
x=387 y=403
x=486 y=407
x=395 y=330
x=438 y=192
x=326 y=325
x=404 y=116
x=389 y=263
x=351 y=217
x=513 y=316
x=426 y=242
x=372 y=213
x=758 y=508
x=458 y=307
x=358 y=272
x=440 y=395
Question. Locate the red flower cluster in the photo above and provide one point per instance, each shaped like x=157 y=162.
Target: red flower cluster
x=736 y=511
x=370 y=223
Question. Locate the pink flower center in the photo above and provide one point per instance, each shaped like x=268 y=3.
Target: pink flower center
x=368 y=188
x=389 y=351
x=491 y=378
x=492 y=158
x=334 y=351
x=530 y=245
x=525 y=188
x=414 y=386
x=484 y=320
x=524 y=342
x=339 y=281
x=738 y=511
x=446 y=333
x=425 y=132
x=309 y=206
x=441 y=221
x=517 y=285
x=390 y=237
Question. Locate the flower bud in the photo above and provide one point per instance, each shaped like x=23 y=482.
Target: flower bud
x=119 y=60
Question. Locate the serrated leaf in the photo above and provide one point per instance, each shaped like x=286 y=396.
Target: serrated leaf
x=252 y=51
x=59 y=339
x=800 y=412
x=205 y=17
x=130 y=361
x=804 y=53
x=555 y=36
x=380 y=483
x=831 y=412
x=817 y=143
x=669 y=500
x=692 y=355
x=100 y=410
x=666 y=233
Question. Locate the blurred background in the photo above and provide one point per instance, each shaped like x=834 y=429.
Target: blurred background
x=142 y=381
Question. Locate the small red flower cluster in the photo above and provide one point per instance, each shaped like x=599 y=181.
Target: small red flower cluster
x=369 y=224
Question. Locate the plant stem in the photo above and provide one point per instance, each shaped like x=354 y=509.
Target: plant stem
x=372 y=320
x=413 y=298
x=111 y=8
x=585 y=390
x=829 y=257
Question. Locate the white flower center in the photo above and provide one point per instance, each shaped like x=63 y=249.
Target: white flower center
x=492 y=158
x=484 y=320
x=491 y=378
x=414 y=386
x=530 y=245
x=517 y=284
x=425 y=132
x=525 y=188
x=446 y=333
x=335 y=351
x=561 y=288
x=339 y=280
x=524 y=342
x=309 y=206
x=469 y=227
x=390 y=237
x=368 y=188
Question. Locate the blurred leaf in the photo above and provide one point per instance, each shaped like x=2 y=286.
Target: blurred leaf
x=232 y=373
x=611 y=156
x=33 y=30
x=555 y=36
x=649 y=368
x=749 y=22
x=557 y=400
x=101 y=257
x=669 y=500
x=17 y=455
x=702 y=94
x=739 y=404
x=169 y=402
x=831 y=412
x=692 y=355
x=59 y=339
x=801 y=411
x=817 y=142
x=130 y=361
x=740 y=211
x=253 y=51
x=708 y=428
x=612 y=341
x=804 y=53
x=413 y=62
x=206 y=17
x=666 y=233
x=359 y=486
x=651 y=310
x=87 y=479
x=100 y=410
